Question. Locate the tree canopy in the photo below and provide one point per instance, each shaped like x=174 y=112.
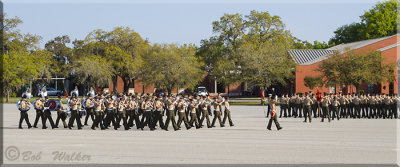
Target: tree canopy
x=251 y=48
x=355 y=68
x=380 y=21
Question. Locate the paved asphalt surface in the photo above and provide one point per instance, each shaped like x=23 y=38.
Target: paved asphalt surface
x=349 y=141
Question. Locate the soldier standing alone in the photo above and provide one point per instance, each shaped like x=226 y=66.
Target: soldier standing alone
x=273 y=116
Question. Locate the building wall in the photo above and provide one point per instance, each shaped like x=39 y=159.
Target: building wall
x=390 y=56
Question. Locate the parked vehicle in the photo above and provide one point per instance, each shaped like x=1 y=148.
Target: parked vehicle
x=202 y=91
x=52 y=92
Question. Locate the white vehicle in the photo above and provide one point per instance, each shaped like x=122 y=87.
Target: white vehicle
x=202 y=91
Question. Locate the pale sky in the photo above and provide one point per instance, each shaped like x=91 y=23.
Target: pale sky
x=178 y=21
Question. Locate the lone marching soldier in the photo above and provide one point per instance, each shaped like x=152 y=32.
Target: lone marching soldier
x=227 y=113
x=24 y=108
x=273 y=116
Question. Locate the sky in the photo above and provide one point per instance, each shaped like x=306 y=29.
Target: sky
x=178 y=21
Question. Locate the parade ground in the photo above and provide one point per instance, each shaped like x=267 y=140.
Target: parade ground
x=348 y=141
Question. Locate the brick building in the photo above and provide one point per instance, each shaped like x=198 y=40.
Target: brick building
x=309 y=60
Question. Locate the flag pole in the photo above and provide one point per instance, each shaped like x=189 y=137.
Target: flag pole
x=262 y=101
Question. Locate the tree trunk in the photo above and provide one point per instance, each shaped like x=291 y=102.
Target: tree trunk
x=357 y=89
x=169 y=91
x=126 y=85
x=142 y=88
x=7 y=96
x=115 y=82
x=228 y=90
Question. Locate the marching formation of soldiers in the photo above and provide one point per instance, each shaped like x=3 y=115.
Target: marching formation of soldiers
x=340 y=106
x=108 y=111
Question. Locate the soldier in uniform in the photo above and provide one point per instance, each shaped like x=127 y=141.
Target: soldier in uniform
x=227 y=113
x=325 y=108
x=386 y=109
x=393 y=107
x=171 y=103
x=74 y=103
x=314 y=106
x=307 y=102
x=204 y=112
x=110 y=115
x=89 y=104
x=122 y=113
x=299 y=106
x=378 y=105
x=158 y=111
x=148 y=107
x=39 y=106
x=198 y=109
x=357 y=107
x=23 y=106
x=372 y=103
x=47 y=113
x=209 y=101
x=363 y=105
x=182 y=114
x=133 y=108
x=292 y=106
x=284 y=106
x=342 y=101
x=193 y=117
x=335 y=104
x=348 y=106
x=61 y=115
x=99 y=112
x=217 y=112
x=331 y=108
x=273 y=117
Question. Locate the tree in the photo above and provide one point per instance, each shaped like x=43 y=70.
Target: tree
x=169 y=66
x=380 y=21
x=356 y=68
x=312 y=82
x=121 y=47
x=252 y=49
x=265 y=60
x=22 y=58
x=93 y=70
x=230 y=29
x=62 y=55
